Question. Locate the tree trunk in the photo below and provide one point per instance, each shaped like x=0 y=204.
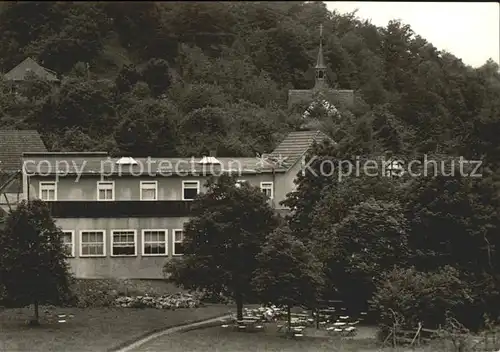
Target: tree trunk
x=239 y=306
x=289 y=316
x=316 y=310
x=36 y=319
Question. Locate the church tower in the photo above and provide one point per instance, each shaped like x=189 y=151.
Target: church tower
x=333 y=96
x=320 y=67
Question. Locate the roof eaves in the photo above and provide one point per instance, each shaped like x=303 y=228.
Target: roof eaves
x=161 y=173
x=65 y=153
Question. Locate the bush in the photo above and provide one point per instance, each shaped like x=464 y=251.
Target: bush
x=104 y=292
x=94 y=293
x=419 y=297
x=178 y=300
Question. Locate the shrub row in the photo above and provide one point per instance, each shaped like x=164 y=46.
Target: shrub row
x=104 y=292
x=179 y=300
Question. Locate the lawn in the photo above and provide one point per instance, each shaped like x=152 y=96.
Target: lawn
x=91 y=329
x=227 y=340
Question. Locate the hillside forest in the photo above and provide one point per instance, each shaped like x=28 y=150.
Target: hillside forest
x=168 y=79
x=180 y=78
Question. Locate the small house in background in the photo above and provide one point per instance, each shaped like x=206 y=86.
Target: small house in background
x=29 y=67
x=13 y=143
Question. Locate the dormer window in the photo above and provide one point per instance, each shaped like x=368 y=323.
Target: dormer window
x=126 y=161
x=209 y=160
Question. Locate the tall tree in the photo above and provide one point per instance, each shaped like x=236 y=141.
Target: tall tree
x=222 y=240
x=310 y=184
x=288 y=274
x=157 y=75
x=454 y=221
x=370 y=240
x=127 y=78
x=33 y=267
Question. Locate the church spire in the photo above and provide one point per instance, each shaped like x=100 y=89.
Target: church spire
x=320 y=67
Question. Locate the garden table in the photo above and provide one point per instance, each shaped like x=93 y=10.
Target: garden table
x=249 y=324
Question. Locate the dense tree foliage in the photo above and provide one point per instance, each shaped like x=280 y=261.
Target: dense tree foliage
x=161 y=78
x=33 y=267
x=362 y=226
x=288 y=273
x=223 y=239
x=423 y=297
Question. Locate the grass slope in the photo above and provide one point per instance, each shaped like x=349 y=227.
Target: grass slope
x=91 y=329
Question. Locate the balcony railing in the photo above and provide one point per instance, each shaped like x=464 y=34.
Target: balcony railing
x=120 y=209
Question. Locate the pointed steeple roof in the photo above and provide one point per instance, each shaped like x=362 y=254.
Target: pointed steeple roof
x=320 y=62
x=333 y=96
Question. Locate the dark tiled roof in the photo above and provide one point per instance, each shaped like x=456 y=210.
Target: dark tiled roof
x=4 y=178
x=13 y=143
x=297 y=144
x=15 y=185
x=19 y=72
x=335 y=96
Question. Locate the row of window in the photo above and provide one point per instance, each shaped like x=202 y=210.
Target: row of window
x=123 y=243
x=148 y=190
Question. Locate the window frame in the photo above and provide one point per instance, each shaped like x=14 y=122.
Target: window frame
x=144 y=254
x=103 y=245
x=112 y=232
x=174 y=242
x=99 y=188
x=72 y=232
x=41 y=188
x=142 y=184
x=271 y=183
x=184 y=188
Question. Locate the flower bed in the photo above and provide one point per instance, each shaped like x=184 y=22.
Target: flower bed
x=178 y=300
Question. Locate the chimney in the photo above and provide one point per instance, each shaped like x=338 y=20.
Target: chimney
x=213 y=153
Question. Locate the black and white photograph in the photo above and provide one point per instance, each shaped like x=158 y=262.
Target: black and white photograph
x=281 y=176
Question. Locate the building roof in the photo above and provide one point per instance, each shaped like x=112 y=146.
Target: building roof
x=209 y=160
x=20 y=72
x=13 y=143
x=342 y=97
x=281 y=159
x=320 y=61
x=295 y=145
x=335 y=96
x=103 y=165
